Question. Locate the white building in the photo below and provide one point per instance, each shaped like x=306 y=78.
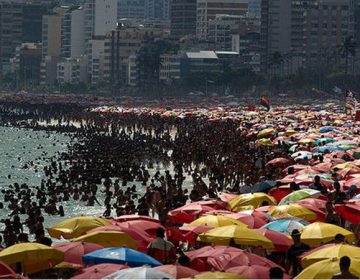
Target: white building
x=96 y=60
x=169 y=67
x=72 y=71
x=73 y=33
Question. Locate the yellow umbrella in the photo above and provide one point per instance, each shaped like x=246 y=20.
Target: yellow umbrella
x=217 y=275
x=327 y=268
x=109 y=239
x=265 y=132
x=318 y=233
x=265 y=142
x=33 y=257
x=306 y=141
x=294 y=210
x=250 y=201
x=238 y=234
x=330 y=251
x=344 y=165
x=216 y=221
x=290 y=132
x=75 y=227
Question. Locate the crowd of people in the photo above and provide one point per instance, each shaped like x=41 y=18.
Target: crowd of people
x=135 y=163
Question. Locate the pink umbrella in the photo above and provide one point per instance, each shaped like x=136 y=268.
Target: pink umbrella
x=73 y=251
x=98 y=271
x=281 y=241
x=125 y=218
x=6 y=270
x=227 y=196
x=248 y=218
x=224 y=257
x=190 y=233
x=253 y=271
x=142 y=238
x=188 y=213
x=178 y=271
x=147 y=227
x=278 y=162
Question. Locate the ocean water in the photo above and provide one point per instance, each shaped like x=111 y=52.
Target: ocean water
x=18 y=147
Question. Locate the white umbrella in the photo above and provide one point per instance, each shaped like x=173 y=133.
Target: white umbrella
x=302 y=155
x=139 y=273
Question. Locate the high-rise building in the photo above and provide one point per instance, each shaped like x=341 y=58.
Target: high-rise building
x=303 y=31
x=144 y=10
x=11 y=15
x=183 y=18
x=32 y=22
x=73 y=33
x=254 y=9
x=51 y=40
x=208 y=9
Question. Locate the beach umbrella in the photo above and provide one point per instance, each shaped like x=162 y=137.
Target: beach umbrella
x=263 y=186
x=33 y=257
x=218 y=275
x=250 y=201
x=75 y=227
x=98 y=271
x=322 y=141
x=125 y=218
x=216 y=221
x=6 y=270
x=324 y=149
x=73 y=251
x=237 y=234
x=224 y=257
x=139 y=273
x=109 y=239
x=306 y=141
x=326 y=269
x=280 y=241
x=318 y=233
x=142 y=239
x=226 y=196
x=326 y=129
x=302 y=155
x=278 y=162
x=345 y=165
x=188 y=213
x=190 y=233
x=177 y=271
x=248 y=217
x=298 y=195
x=265 y=132
x=253 y=271
x=120 y=255
x=349 y=212
x=265 y=142
x=143 y=227
x=284 y=226
x=329 y=251
x=295 y=210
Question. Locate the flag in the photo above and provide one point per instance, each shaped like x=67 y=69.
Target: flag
x=265 y=102
x=336 y=89
x=350 y=102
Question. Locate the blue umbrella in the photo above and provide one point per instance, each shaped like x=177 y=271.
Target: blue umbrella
x=120 y=255
x=284 y=226
x=322 y=149
x=263 y=186
x=325 y=129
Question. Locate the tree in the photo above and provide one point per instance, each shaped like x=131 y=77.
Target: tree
x=276 y=62
x=347 y=48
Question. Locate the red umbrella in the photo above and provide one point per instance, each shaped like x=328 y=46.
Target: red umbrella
x=349 y=212
x=147 y=227
x=227 y=196
x=75 y=250
x=253 y=271
x=224 y=257
x=347 y=171
x=125 y=218
x=278 y=162
x=98 y=271
x=308 y=170
x=323 y=167
x=316 y=205
x=178 y=271
x=142 y=238
x=354 y=181
x=12 y=276
x=248 y=218
x=190 y=233
x=213 y=203
x=5 y=269
x=281 y=241
x=188 y=213
x=280 y=192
